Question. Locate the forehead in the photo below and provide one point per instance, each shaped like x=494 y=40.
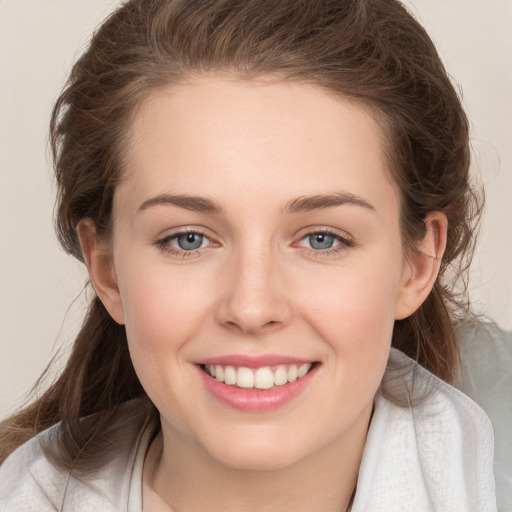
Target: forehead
x=219 y=134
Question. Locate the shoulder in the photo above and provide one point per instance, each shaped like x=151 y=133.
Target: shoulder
x=428 y=442
x=29 y=481
x=433 y=404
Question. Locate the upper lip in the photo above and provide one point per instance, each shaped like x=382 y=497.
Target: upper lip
x=253 y=361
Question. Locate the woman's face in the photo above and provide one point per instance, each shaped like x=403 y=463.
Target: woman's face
x=256 y=230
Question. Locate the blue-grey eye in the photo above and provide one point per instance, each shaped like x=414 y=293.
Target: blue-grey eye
x=321 y=241
x=190 y=241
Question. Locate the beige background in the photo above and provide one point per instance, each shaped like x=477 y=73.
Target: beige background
x=39 y=40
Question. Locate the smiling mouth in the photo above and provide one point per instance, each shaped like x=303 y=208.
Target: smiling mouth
x=266 y=377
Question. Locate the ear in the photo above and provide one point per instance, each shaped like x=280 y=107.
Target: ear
x=100 y=265
x=422 y=266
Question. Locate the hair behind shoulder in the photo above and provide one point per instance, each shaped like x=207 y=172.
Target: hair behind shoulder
x=86 y=398
x=371 y=51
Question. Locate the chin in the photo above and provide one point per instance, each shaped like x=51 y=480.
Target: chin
x=258 y=450
x=257 y=460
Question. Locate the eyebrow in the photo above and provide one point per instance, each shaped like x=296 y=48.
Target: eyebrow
x=298 y=205
x=323 y=201
x=193 y=203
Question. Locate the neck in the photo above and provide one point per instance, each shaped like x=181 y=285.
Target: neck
x=183 y=477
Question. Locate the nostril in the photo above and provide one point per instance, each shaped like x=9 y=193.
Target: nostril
x=252 y=328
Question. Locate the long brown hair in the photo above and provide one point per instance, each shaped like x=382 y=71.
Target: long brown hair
x=372 y=51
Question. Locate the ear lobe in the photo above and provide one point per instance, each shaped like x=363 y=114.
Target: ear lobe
x=423 y=264
x=98 y=259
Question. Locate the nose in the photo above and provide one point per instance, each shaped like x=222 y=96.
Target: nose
x=254 y=295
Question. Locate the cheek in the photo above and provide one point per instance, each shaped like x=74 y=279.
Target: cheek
x=358 y=299
x=161 y=306
x=162 y=314
x=352 y=310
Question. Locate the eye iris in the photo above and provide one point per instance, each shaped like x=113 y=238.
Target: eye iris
x=321 y=241
x=190 y=241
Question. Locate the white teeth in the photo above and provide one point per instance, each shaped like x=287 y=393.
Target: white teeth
x=244 y=378
x=280 y=376
x=230 y=375
x=303 y=370
x=219 y=373
x=292 y=373
x=261 y=378
x=264 y=378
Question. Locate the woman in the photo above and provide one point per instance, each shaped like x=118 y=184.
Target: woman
x=266 y=195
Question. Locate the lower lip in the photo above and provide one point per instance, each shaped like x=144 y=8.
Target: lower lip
x=256 y=400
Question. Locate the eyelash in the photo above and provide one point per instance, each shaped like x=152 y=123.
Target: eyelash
x=344 y=243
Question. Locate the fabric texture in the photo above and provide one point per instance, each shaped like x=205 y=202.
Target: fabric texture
x=30 y=483
x=435 y=454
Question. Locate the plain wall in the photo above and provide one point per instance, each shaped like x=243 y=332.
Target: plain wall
x=40 y=39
